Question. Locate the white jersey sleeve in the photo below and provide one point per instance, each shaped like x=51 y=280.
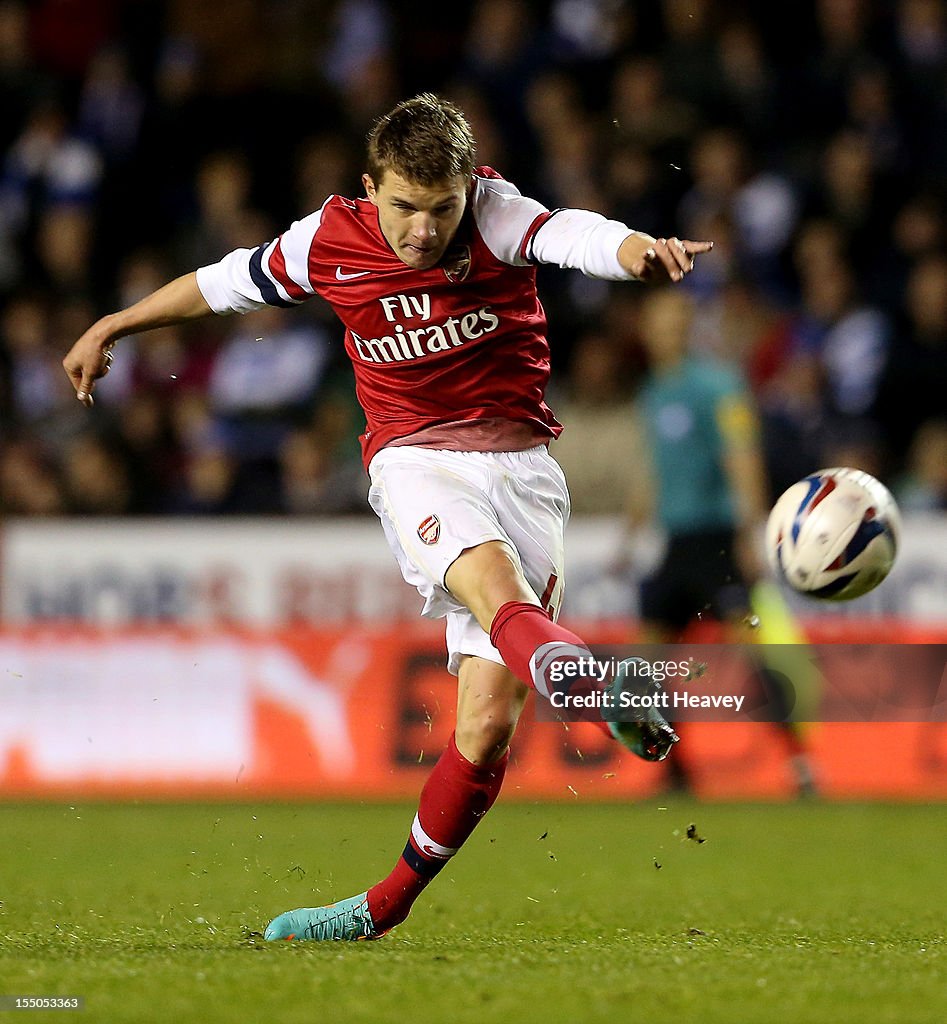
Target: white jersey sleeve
x=273 y=274
x=582 y=240
x=505 y=219
x=521 y=231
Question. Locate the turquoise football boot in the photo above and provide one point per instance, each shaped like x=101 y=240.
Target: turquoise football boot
x=646 y=733
x=346 y=921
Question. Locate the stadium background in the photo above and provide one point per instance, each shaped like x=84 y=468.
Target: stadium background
x=183 y=611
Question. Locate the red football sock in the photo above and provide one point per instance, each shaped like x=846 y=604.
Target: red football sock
x=519 y=629
x=455 y=797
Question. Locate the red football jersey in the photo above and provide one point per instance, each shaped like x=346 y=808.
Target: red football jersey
x=434 y=351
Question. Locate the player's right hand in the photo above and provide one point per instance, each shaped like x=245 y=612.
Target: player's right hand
x=88 y=361
x=669 y=258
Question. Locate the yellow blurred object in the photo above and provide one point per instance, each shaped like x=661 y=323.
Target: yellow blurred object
x=786 y=648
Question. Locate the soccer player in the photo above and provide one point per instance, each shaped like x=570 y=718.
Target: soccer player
x=433 y=276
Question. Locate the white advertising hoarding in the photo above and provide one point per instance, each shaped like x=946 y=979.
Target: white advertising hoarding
x=273 y=572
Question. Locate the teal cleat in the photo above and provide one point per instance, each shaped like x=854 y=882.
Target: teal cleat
x=646 y=733
x=346 y=921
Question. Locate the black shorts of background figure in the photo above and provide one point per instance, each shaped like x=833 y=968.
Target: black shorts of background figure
x=698 y=577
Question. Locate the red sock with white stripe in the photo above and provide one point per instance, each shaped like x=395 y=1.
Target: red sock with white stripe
x=528 y=639
x=455 y=797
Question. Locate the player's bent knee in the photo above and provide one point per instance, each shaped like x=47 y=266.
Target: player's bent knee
x=483 y=739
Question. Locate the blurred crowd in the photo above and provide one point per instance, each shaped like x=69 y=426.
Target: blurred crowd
x=140 y=139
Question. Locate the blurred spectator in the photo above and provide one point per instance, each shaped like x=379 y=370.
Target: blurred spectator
x=762 y=205
x=854 y=347
x=915 y=380
x=111 y=105
x=96 y=478
x=747 y=83
x=586 y=37
x=689 y=56
x=638 y=193
x=312 y=482
x=921 y=37
x=599 y=450
x=855 y=442
x=554 y=111
x=210 y=480
x=917 y=230
x=265 y=377
x=924 y=487
x=361 y=35
x=22 y=84
x=872 y=114
x=29 y=485
x=222 y=198
x=733 y=324
x=591 y=30
x=643 y=111
x=849 y=194
x=147 y=443
x=35 y=388
x=844 y=40
x=64 y=246
x=48 y=179
x=502 y=55
x=359 y=61
x=235 y=44
x=325 y=166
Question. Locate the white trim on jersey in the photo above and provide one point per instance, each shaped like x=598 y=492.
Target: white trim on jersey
x=296 y=244
x=268 y=251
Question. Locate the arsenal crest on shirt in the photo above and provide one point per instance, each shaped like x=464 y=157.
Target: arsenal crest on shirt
x=456 y=263
x=430 y=530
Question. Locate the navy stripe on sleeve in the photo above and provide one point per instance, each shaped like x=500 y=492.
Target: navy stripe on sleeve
x=267 y=289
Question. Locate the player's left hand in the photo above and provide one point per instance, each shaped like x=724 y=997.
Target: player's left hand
x=660 y=258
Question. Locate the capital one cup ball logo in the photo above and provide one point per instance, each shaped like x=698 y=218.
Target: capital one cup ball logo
x=430 y=530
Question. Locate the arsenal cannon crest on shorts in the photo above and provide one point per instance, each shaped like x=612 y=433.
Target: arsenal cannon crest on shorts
x=430 y=530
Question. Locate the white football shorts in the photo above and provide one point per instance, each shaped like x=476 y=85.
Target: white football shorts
x=434 y=504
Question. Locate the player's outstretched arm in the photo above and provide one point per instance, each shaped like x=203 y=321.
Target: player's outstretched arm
x=650 y=259
x=88 y=360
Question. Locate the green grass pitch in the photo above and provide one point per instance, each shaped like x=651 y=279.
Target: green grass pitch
x=804 y=912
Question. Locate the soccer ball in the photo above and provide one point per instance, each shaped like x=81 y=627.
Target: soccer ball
x=834 y=535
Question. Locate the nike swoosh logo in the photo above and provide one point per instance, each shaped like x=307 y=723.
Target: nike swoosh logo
x=340 y=276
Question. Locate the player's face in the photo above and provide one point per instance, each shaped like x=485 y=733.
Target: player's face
x=418 y=221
